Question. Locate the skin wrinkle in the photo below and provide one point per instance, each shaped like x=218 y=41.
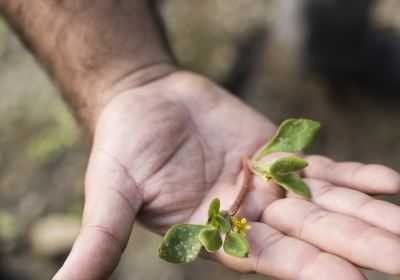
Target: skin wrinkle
x=221 y=172
x=134 y=209
x=203 y=147
x=105 y=232
x=324 y=190
x=354 y=173
x=159 y=223
x=139 y=187
x=329 y=167
x=157 y=148
x=269 y=242
x=310 y=220
x=161 y=165
x=355 y=239
x=162 y=191
x=304 y=267
x=125 y=170
x=274 y=193
x=123 y=82
x=157 y=211
x=185 y=192
x=200 y=182
x=142 y=184
x=203 y=144
x=362 y=205
x=170 y=208
x=168 y=159
x=362 y=208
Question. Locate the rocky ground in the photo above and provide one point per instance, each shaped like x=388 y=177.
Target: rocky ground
x=253 y=47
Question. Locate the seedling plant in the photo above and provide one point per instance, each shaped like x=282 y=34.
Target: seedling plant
x=182 y=243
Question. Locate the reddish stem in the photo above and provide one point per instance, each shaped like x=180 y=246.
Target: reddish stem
x=247 y=175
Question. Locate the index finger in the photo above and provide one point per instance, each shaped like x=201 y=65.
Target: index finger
x=275 y=254
x=369 y=178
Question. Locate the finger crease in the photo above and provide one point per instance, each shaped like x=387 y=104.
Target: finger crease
x=327 y=188
x=138 y=187
x=353 y=175
x=108 y=234
x=354 y=240
x=266 y=244
x=125 y=198
x=306 y=265
x=329 y=167
x=311 y=219
x=366 y=202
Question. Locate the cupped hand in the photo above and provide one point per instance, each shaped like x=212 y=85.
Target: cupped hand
x=162 y=151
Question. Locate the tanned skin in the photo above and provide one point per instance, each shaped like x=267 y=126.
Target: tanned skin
x=77 y=43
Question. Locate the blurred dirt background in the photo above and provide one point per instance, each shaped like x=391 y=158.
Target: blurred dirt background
x=276 y=55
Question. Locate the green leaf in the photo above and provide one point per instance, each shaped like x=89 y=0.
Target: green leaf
x=211 y=239
x=293 y=183
x=181 y=243
x=293 y=135
x=236 y=245
x=286 y=165
x=260 y=167
x=224 y=224
x=213 y=209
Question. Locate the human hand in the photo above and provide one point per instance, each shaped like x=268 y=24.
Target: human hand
x=162 y=151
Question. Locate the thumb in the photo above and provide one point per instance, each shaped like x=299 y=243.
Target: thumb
x=111 y=204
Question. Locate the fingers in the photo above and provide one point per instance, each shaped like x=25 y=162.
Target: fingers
x=370 y=178
x=110 y=207
x=353 y=203
x=338 y=234
x=284 y=257
x=262 y=192
x=258 y=197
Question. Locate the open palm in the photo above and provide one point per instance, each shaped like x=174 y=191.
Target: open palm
x=161 y=152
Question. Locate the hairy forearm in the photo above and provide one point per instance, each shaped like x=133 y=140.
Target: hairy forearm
x=93 y=49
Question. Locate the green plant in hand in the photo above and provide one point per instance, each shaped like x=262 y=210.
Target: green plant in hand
x=292 y=136
x=182 y=243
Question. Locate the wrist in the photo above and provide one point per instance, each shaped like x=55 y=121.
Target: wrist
x=97 y=96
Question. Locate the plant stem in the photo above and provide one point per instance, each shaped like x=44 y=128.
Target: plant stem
x=247 y=175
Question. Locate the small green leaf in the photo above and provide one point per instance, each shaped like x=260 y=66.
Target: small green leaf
x=293 y=183
x=261 y=169
x=260 y=166
x=224 y=224
x=181 y=243
x=236 y=245
x=286 y=165
x=293 y=135
x=213 y=209
x=211 y=239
